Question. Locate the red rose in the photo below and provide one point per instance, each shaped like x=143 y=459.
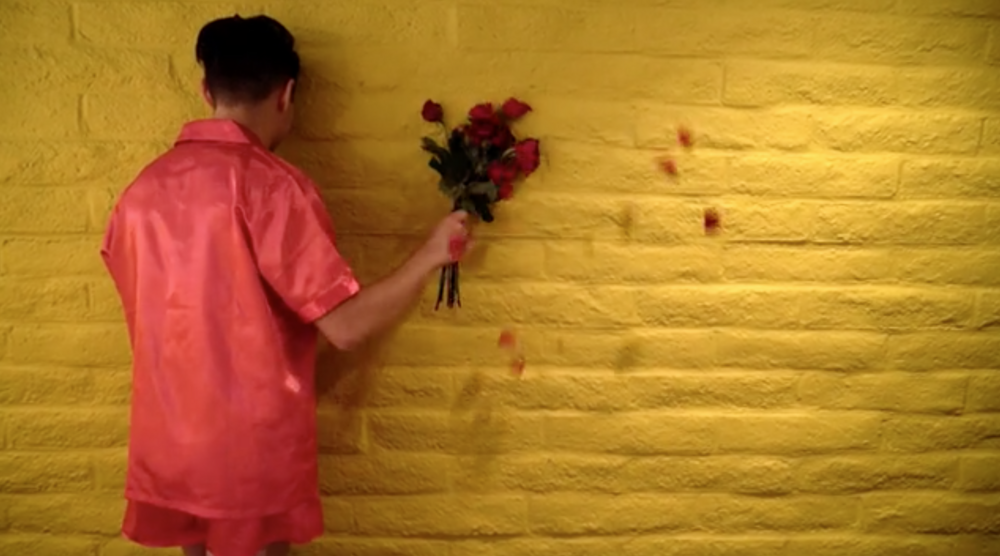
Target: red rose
x=669 y=166
x=506 y=191
x=432 y=112
x=502 y=173
x=514 y=109
x=502 y=137
x=526 y=153
x=481 y=112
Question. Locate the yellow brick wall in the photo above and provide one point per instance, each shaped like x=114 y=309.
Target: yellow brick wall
x=822 y=378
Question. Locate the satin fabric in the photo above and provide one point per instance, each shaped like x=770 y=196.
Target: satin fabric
x=223 y=256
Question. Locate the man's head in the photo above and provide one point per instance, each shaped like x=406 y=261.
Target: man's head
x=251 y=68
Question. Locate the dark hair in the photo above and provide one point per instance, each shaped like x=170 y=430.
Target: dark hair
x=246 y=59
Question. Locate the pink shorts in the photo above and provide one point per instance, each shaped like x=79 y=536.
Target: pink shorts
x=157 y=527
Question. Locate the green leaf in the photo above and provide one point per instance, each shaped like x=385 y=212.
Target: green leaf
x=449 y=188
x=437 y=165
x=431 y=145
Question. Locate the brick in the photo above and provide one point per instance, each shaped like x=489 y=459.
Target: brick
x=393 y=24
x=85 y=69
x=477 y=429
x=889 y=545
x=338 y=515
x=591 y=391
x=45 y=256
x=931 y=513
x=980 y=472
x=373 y=547
x=90 y=513
x=388 y=474
x=668 y=221
x=147 y=23
x=956 y=350
x=757 y=33
x=44 y=300
x=950 y=8
x=47 y=544
x=594 y=515
x=34 y=21
x=415 y=345
x=631 y=433
x=993 y=50
x=758 y=83
x=538 y=546
x=837 y=5
x=903 y=392
x=865 y=473
x=814 y=176
x=44 y=209
x=27 y=473
x=753 y=475
x=873 y=131
x=441 y=516
x=42 y=115
x=607 y=123
x=667 y=349
x=767 y=263
x=109 y=470
x=50 y=163
x=582 y=167
x=832 y=350
x=902 y=223
x=572 y=514
x=505 y=259
x=988 y=312
x=75 y=345
x=537 y=304
x=138 y=117
x=604 y=263
x=400 y=387
x=766 y=221
x=916 y=434
x=947 y=266
x=984 y=393
x=959 y=87
x=875 y=39
x=699 y=306
x=990 y=142
x=884 y=308
x=45 y=386
x=103 y=303
x=112 y=386
x=552 y=29
x=797 y=433
x=356 y=164
x=946 y=178
x=340 y=432
x=68 y=428
x=788 y=129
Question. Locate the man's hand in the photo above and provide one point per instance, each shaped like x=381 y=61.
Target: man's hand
x=447 y=243
x=378 y=306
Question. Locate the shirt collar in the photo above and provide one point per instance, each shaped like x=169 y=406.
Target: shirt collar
x=219 y=131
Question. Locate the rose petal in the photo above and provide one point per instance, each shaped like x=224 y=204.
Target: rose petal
x=517 y=366
x=669 y=166
x=507 y=339
x=684 y=137
x=712 y=220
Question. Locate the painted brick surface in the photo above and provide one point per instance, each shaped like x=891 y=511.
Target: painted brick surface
x=822 y=377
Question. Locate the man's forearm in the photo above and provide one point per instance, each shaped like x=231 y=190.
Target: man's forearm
x=377 y=307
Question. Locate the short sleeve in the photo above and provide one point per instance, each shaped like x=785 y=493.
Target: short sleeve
x=293 y=241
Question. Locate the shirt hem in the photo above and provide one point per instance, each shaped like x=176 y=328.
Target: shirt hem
x=210 y=513
x=329 y=300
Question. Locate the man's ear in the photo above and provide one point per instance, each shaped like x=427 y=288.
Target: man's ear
x=286 y=95
x=206 y=94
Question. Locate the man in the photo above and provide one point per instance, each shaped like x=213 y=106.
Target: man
x=225 y=262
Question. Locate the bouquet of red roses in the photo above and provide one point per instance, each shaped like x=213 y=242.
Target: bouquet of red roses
x=478 y=162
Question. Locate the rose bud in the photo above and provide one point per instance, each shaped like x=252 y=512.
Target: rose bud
x=432 y=112
x=514 y=109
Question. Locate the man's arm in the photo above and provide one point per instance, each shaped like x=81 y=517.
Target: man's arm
x=377 y=307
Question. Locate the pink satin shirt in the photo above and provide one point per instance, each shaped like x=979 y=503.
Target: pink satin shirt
x=223 y=255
